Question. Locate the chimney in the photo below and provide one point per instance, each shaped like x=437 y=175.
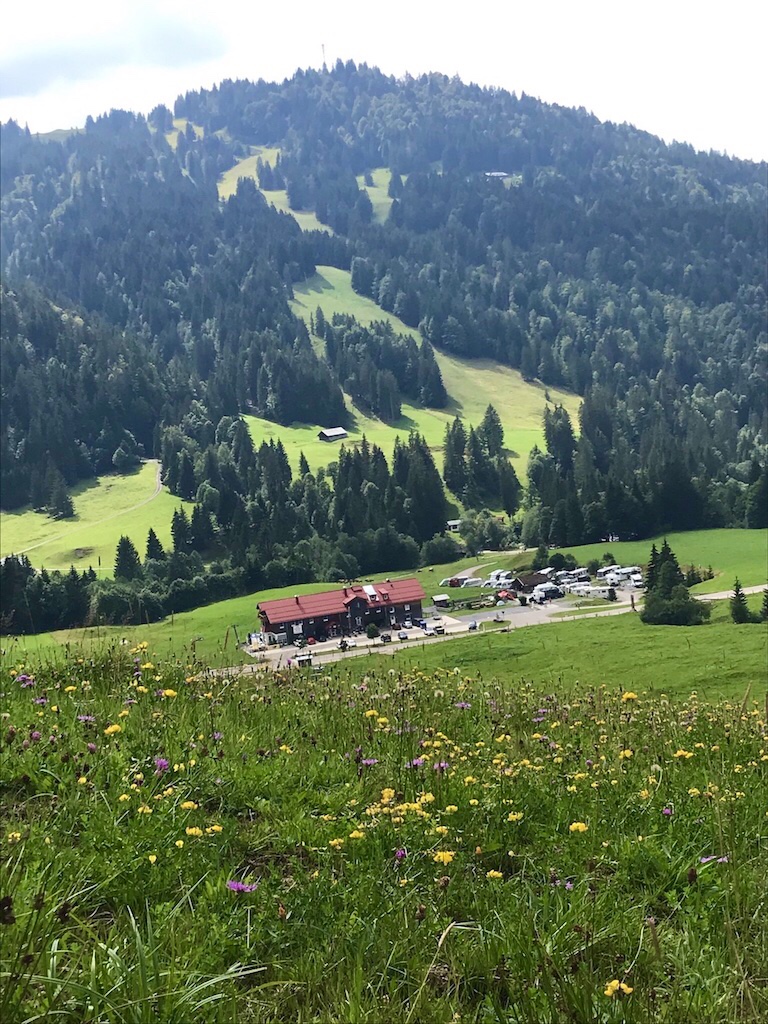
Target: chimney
x=296 y=598
x=345 y=591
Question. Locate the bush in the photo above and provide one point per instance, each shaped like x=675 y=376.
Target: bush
x=372 y=631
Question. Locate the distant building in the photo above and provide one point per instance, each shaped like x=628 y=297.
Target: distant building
x=453 y=525
x=334 y=612
x=496 y=174
x=332 y=434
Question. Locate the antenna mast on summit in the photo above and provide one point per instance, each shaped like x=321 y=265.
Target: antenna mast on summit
x=322 y=47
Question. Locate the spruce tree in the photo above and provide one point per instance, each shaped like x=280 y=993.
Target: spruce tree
x=739 y=608
x=127 y=564
x=155 y=549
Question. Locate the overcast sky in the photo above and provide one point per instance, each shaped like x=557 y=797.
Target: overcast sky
x=692 y=71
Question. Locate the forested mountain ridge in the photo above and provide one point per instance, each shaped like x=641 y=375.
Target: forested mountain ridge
x=142 y=314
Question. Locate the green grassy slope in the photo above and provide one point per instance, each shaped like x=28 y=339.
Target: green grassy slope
x=471 y=385
x=378 y=192
x=718 y=659
x=246 y=168
x=104 y=510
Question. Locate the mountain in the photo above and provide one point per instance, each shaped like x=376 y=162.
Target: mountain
x=141 y=310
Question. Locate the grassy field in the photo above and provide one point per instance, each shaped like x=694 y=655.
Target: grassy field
x=104 y=510
x=246 y=168
x=471 y=385
x=377 y=192
x=719 y=659
x=380 y=843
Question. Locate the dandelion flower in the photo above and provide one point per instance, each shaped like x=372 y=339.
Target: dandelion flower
x=578 y=826
x=493 y=874
x=189 y=805
x=515 y=816
x=195 y=831
x=443 y=857
x=357 y=834
x=112 y=730
x=628 y=695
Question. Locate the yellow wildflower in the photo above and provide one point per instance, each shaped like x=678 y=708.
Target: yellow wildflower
x=357 y=834
x=493 y=874
x=152 y=858
x=112 y=730
x=82 y=780
x=628 y=695
x=194 y=831
x=616 y=986
x=336 y=843
x=578 y=826
x=179 y=843
x=189 y=805
x=169 y=693
x=144 y=809
x=515 y=816
x=443 y=857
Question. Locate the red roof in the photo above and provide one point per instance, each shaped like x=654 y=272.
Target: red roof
x=336 y=602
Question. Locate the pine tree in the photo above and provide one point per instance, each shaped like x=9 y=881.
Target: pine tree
x=127 y=564
x=155 y=549
x=303 y=465
x=738 y=603
x=652 y=572
x=180 y=530
x=492 y=432
x=764 y=608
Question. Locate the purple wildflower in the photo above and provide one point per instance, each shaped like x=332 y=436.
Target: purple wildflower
x=369 y=762
x=667 y=812
x=236 y=886
x=722 y=860
x=218 y=736
x=440 y=766
x=462 y=705
x=569 y=885
x=91 y=748
x=417 y=762
x=86 y=719
x=161 y=766
x=400 y=854
x=25 y=680
x=41 y=700
x=35 y=736
x=706 y=860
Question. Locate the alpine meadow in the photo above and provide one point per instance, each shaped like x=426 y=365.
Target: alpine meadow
x=383 y=563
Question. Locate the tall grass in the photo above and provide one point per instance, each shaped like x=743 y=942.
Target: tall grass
x=399 y=845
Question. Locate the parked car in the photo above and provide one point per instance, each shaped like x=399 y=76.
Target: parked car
x=472 y=625
x=402 y=635
x=407 y=624
x=386 y=638
x=439 y=629
x=429 y=631
x=311 y=640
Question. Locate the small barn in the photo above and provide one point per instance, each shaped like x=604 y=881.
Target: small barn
x=332 y=434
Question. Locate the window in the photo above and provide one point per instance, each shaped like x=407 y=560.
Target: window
x=407 y=607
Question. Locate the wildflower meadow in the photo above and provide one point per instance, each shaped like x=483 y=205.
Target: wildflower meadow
x=352 y=845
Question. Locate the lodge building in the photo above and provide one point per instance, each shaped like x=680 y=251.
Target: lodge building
x=339 y=612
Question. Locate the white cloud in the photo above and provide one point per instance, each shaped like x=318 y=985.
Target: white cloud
x=672 y=69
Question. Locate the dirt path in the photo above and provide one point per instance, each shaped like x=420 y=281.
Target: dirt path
x=106 y=519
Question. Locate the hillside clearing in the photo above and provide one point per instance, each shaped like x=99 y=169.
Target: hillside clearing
x=471 y=386
x=105 y=509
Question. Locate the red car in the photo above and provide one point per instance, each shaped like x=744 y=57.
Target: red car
x=311 y=640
